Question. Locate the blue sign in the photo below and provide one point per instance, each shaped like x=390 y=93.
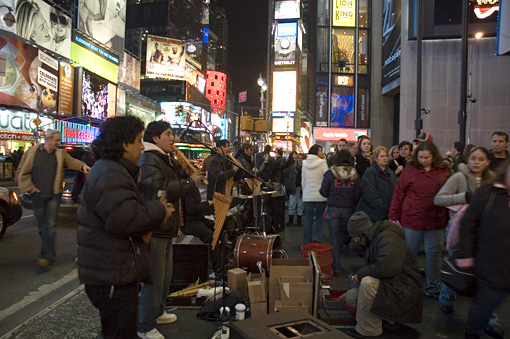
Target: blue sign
x=205 y=37
x=96 y=49
x=286 y=29
x=342 y=110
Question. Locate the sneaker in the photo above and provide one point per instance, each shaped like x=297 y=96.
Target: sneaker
x=166 y=318
x=434 y=295
x=44 y=263
x=153 y=334
x=494 y=331
x=446 y=308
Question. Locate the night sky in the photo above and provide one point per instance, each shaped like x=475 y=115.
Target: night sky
x=247 y=22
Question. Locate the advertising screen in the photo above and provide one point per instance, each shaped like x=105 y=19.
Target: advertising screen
x=104 y=21
x=283 y=125
x=29 y=73
x=99 y=96
x=391 y=41
x=285 y=51
x=342 y=107
x=41 y=23
x=288 y=9
x=66 y=87
x=321 y=104
x=165 y=58
x=176 y=119
x=129 y=71
x=94 y=62
x=284 y=91
x=286 y=29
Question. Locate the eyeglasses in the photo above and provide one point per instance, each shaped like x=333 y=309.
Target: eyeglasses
x=58 y=19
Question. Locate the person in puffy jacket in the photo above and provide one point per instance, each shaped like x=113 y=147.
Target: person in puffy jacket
x=341 y=186
x=314 y=167
x=377 y=186
x=412 y=206
x=114 y=223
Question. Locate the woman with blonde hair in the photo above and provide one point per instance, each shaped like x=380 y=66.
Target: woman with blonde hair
x=377 y=186
x=30 y=23
x=393 y=162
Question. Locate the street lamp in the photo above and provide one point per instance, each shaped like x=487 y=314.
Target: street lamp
x=263 y=87
x=470 y=97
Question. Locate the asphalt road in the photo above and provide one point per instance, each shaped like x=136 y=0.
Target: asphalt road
x=26 y=289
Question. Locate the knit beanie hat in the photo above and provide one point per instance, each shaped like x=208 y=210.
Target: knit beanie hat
x=344 y=158
x=358 y=224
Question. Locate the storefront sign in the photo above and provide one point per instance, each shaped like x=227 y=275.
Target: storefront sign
x=16 y=136
x=73 y=133
x=19 y=122
x=335 y=134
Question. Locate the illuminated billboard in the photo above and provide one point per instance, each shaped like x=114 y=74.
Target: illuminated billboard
x=335 y=134
x=286 y=29
x=29 y=73
x=285 y=51
x=216 y=90
x=284 y=91
x=66 y=88
x=177 y=119
x=283 y=125
x=129 y=71
x=344 y=13
x=104 y=21
x=41 y=23
x=99 y=96
x=165 y=58
x=287 y=9
x=95 y=63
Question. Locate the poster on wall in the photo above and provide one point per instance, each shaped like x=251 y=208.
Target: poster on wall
x=363 y=114
x=104 y=21
x=391 y=41
x=66 y=86
x=99 y=96
x=40 y=23
x=344 y=13
x=321 y=105
x=29 y=73
x=129 y=71
x=342 y=107
x=165 y=58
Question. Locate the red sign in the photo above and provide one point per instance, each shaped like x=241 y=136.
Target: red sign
x=243 y=96
x=335 y=134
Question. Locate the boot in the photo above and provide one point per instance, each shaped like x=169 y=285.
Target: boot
x=299 y=217
x=291 y=220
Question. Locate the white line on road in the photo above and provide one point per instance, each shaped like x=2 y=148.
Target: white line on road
x=36 y=295
x=27 y=216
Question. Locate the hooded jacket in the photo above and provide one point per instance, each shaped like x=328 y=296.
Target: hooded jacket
x=413 y=200
x=312 y=174
x=454 y=190
x=388 y=258
x=158 y=172
x=377 y=188
x=342 y=187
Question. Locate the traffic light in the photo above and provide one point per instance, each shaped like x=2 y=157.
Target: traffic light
x=180 y=110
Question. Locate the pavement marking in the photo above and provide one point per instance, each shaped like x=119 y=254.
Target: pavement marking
x=27 y=216
x=44 y=312
x=36 y=295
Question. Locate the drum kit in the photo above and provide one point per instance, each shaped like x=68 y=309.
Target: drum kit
x=254 y=248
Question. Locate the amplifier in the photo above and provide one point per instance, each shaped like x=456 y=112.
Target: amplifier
x=190 y=263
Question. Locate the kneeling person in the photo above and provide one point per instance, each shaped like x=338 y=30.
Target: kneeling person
x=389 y=285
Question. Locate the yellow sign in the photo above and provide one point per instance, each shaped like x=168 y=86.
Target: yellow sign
x=344 y=13
x=37 y=121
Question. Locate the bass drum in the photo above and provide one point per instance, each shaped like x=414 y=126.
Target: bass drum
x=250 y=249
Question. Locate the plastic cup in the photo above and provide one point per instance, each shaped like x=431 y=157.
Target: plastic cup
x=240 y=311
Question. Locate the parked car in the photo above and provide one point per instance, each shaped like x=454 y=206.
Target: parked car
x=67 y=203
x=10 y=209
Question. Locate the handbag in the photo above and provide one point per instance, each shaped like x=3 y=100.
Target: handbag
x=462 y=281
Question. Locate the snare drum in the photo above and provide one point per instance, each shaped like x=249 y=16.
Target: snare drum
x=250 y=249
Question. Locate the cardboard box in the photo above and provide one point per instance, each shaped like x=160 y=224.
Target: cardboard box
x=257 y=289
x=286 y=267
x=296 y=288
x=284 y=305
x=258 y=309
x=237 y=282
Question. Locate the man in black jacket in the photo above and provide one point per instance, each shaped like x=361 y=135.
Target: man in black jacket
x=220 y=170
x=114 y=222
x=265 y=163
x=161 y=172
x=389 y=284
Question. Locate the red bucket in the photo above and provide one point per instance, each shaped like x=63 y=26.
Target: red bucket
x=320 y=248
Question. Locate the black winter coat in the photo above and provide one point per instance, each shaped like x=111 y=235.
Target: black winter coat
x=220 y=170
x=484 y=235
x=279 y=168
x=388 y=258
x=362 y=164
x=112 y=217
x=161 y=172
x=340 y=192
x=265 y=170
x=293 y=178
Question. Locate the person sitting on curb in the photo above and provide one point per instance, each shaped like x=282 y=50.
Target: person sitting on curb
x=389 y=285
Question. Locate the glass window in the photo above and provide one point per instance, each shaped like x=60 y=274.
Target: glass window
x=342 y=50
x=363 y=47
x=323 y=12
x=363 y=14
x=322 y=49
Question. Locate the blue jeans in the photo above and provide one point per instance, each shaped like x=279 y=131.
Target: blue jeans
x=153 y=297
x=433 y=242
x=311 y=209
x=46 y=213
x=482 y=307
x=296 y=201
x=337 y=219
x=447 y=295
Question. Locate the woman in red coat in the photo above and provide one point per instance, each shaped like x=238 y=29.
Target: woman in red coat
x=413 y=207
